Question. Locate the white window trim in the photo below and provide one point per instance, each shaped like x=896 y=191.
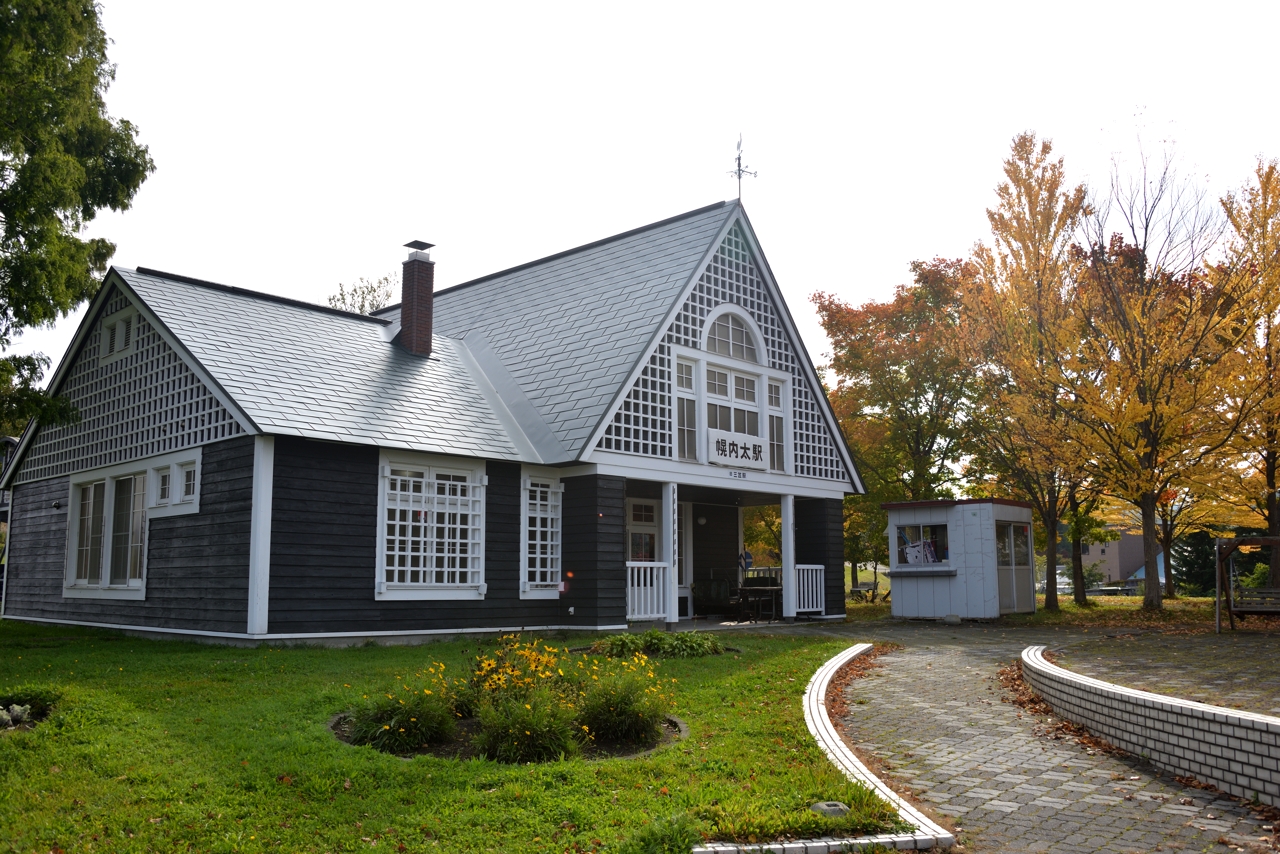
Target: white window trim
x=540 y=591
x=385 y=591
x=702 y=362
x=748 y=321
x=153 y=509
x=130 y=314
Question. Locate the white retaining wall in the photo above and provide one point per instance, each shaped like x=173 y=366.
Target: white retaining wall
x=1239 y=752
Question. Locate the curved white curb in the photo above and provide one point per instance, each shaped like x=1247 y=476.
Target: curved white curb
x=1239 y=752
x=927 y=835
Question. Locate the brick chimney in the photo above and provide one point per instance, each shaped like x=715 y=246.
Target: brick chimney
x=417 y=292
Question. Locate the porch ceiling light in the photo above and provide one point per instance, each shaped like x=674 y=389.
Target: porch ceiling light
x=702 y=520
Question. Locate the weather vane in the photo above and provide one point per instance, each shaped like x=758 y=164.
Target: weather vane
x=739 y=171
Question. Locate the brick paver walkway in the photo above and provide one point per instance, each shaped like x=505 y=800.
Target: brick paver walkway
x=933 y=714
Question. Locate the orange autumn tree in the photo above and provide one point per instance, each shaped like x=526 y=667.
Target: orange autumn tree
x=902 y=396
x=1018 y=331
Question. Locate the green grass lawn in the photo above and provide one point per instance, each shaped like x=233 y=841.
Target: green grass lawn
x=167 y=746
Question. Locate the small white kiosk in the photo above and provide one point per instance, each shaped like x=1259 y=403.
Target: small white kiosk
x=970 y=559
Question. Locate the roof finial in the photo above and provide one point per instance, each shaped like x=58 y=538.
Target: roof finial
x=739 y=171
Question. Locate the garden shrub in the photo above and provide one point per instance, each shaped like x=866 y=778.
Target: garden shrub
x=403 y=724
x=675 y=835
x=535 y=725
x=660 y=644
x=625 y=708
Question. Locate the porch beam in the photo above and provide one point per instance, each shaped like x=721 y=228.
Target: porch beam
x=668 y=553
x=790 y=599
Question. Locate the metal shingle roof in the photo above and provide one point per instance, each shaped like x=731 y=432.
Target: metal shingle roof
x=570 y=328
x=301 y=371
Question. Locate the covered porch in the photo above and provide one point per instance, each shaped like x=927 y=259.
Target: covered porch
x=685 y=556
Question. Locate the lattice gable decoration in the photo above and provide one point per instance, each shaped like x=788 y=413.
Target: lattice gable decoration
x=642 y=425
x=138 y=401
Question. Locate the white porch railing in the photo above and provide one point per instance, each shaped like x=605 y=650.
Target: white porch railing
x=811 y=588
x=646 y=590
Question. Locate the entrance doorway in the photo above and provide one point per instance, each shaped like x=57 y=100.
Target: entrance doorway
x=1013 y=568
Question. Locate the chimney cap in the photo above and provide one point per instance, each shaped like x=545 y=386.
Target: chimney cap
x=420 y=245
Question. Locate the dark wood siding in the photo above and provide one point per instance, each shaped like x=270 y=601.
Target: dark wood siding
x=324 y=551
x=820 y=540
x=197 y=565
x=595 y=530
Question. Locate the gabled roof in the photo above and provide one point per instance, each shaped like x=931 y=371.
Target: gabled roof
x=303 y=370
x=527 y=364
x=570 y=328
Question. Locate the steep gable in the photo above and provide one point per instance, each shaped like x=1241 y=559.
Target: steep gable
x=642 y=421
x=143 y=402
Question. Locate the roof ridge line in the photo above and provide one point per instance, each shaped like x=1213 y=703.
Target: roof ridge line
x=567 y=252
x=150 y=271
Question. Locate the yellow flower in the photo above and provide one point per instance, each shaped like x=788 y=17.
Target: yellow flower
x=384 y=726
x=529 y=707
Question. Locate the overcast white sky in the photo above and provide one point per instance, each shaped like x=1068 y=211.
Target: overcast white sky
x=299 y=145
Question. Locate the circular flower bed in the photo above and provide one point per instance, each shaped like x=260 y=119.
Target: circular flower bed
x=525 y=702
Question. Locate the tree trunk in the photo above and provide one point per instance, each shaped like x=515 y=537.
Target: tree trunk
x=1077 y=571
x=1151 y=593
x=1077 y=552
x=1050 y=519
x=1273 y=518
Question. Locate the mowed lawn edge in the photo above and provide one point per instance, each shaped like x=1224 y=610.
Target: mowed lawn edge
x=164 y=745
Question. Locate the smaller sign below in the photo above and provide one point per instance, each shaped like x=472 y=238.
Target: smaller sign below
x=736 y=450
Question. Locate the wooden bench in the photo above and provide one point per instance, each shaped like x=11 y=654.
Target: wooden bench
x=1256 y=600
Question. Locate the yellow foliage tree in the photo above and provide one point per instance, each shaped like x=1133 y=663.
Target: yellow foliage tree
x=1018 y=332
x=1252 y=484
x=1157 y=385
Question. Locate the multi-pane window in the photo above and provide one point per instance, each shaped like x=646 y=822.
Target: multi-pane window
x=89 y=546
x=687 y=427
x=734 y=419
x=775 y=395
x=542 y=535
x=776 y=456
x=107 y=525
x=729 y=336
x=684 y=375
x=719 y=417
x=643 y=532
x=433 y=529
x=127 y=529
x=717 y=382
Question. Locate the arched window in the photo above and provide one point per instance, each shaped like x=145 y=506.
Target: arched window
x=729 y=336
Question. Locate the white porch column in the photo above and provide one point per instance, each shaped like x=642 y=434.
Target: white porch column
x=790 y=599
x=264 y=455
x=668 y=552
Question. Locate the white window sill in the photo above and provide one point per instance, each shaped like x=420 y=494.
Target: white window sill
x=922 y=570
x=540 y=592
x=176 y=508
x=137 y=593
x=420 y=592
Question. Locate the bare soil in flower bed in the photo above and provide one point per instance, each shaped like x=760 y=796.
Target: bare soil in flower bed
x=461 y=746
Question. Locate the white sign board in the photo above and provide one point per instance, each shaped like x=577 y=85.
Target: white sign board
x=737 y=450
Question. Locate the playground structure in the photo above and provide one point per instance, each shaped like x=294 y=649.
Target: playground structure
x=1240 y=600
